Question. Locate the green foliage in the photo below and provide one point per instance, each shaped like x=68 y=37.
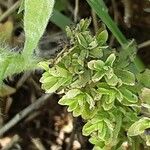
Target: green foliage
x=129 y=47
x=35 y=21
x=36 y=16
x=96 y=88
x=13 y=63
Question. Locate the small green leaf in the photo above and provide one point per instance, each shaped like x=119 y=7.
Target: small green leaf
x=82 y=80
x=145 y=96
x=96 y=65
x=139 y=127
x=110 y=60
x=77 y=112
x=102 y=37
x=84 y=24
x=126 y=77
x=87 y=112
x=71 y=94
x=54 y=78
x=44 y=65
x=82 y=41
x=97 y=141
x=90 y=101
x=112 y=81
x=72 y=105
x=96 y=52
x=98 y=76
x=144 y=78
x=128 y=95
x=59 y=72
x=60 y=82
x=89 y=127
x=107 y=105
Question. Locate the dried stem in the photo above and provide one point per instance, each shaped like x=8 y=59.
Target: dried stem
x=24 y=113
x=95 y=22
x=127 y=12
x=144 y=44
x=76 y=10
x=10 y=11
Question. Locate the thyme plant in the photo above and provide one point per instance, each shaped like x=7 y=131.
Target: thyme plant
x=98 y=88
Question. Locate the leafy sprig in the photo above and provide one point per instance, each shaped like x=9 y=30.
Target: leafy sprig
x=96 y=88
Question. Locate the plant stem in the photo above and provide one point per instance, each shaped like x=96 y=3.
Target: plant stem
x=102 y=11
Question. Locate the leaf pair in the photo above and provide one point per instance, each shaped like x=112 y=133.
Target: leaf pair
x=104 y=69
x=55 y=78
x=100 y=129
x=79 y=102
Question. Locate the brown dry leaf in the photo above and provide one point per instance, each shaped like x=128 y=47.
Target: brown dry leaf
x=6 y=30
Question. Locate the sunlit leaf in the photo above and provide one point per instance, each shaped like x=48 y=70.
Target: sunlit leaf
x=126 y=77
x=139 y=127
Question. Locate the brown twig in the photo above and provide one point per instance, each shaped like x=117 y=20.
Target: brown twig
x=95 y=22
x=76 y=10
x=9 y=11
x=116 y=16
x=144 y=44
x=24 y=113
x=127 y=12
x=21 y=81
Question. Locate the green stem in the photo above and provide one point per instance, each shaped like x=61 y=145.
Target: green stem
x=102 y=11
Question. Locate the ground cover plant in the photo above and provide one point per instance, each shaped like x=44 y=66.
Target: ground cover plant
x=107 y=87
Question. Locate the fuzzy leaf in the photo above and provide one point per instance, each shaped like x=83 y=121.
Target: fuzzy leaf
x=36 y=16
